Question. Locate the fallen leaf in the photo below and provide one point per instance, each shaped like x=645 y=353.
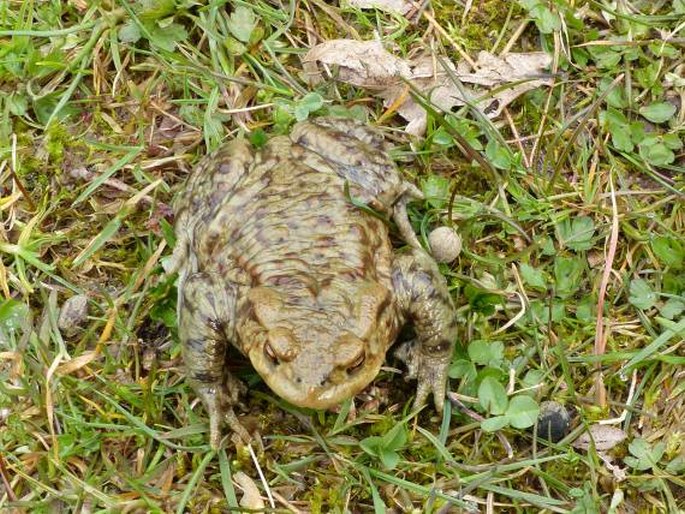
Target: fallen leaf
x=251 y=498
x=437 y=81
x=360 y=63
x=604 y=436
x=369 y=65
x=398 y=6
x=432 y=79
x=492 y=70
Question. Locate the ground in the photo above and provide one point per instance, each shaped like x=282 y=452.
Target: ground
x=575 y=201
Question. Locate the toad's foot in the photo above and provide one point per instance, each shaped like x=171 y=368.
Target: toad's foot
x=432 y=378
x=429 y=370
x=219 y=407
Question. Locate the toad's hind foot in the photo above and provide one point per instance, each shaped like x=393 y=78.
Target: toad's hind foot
x=220 y=411
x=430 y=371
x=432 y=378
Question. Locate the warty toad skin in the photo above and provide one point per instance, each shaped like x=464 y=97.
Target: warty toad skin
x=276 y=260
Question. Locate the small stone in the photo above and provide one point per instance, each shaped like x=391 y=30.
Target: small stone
x=553 y=421
x=73 y=314
x=445 y=244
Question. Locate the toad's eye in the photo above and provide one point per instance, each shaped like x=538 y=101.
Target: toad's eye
x=270 y=353
x=357 y=364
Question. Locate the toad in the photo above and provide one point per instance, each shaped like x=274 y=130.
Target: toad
x=283 y=254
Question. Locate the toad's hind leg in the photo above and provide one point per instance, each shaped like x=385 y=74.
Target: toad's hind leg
x=206 y=325
x=424 y=299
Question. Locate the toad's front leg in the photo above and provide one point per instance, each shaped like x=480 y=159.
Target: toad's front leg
x=206 y=325
x=423 y=299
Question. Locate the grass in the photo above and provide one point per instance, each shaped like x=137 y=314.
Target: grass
x=105 y=108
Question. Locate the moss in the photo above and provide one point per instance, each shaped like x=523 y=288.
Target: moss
x=482 y=25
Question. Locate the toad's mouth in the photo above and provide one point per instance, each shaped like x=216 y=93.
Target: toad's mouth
x=313 y=390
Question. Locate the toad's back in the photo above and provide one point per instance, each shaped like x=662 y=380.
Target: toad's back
x=288 y=222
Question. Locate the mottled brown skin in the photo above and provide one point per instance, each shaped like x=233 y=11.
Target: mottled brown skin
x=275 y=260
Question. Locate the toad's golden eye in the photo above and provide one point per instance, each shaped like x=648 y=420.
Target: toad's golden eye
x=357 y=364
x=270 y=353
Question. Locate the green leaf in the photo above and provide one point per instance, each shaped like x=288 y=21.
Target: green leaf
x=576 y=233
x=494 y=424
x=492 y=396
x=616 y=124
x=672 y=308
x=395 y=439
x=644 y=456
x=670 y=251
x=533 y=377
x=17 y=104
x=486 y=353
x=498 y=155
x=523 y=411
x=371 y=445
x=676 y=466
x=621 y=140
x=165 y=36
x=534 y=277
x=641 y=294
x=241 y=23
x=234 y=46
x=481 y=300
x=568 y=272
x=13 y=314
x=389 y=459
x=442 y=137
x=155 y=10
x=129 y=32
x=658 y=112
x=657 y=154
x=540 y=311
x=436 y=189
x=672 y=141
x=468 y=130
x=586 y=309
x=309 y=103
x=546 y=20
x=637 y=132
x=462 y=369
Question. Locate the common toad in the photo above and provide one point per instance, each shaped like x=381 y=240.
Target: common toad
x=275 y=259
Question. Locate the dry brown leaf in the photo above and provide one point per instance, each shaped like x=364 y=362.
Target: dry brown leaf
x=429 y=77
x=367 y=64
x=251 y=498
x=398 y=6
x=604 y=436
x=437 y=80
x=360 y=63
x=493 y=70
